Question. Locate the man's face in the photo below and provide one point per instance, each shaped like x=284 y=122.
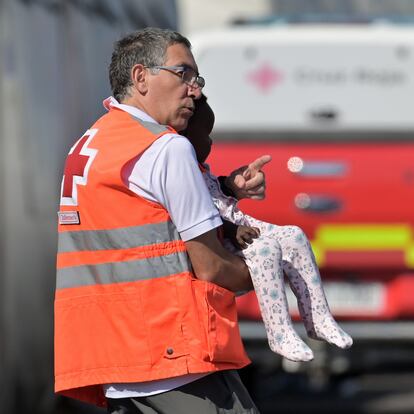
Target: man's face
x=171 y=100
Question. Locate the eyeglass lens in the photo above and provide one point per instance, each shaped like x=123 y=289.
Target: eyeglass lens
x=189 y=76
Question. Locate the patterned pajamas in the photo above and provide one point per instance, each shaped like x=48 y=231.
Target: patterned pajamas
x=279 y=251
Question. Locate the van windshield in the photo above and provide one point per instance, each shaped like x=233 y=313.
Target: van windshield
x=338 y=11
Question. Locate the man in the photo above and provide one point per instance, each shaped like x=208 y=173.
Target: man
x=145 y=317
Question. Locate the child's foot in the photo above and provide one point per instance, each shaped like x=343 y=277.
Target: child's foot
x=282 y=337
x=289 y=345
x=315 y=313
x=328 y=330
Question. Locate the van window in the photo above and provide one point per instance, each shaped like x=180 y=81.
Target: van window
x=322 y=11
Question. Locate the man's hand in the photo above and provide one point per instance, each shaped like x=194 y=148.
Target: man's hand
x=213 y=263
x=249 y=181
x=245 y=235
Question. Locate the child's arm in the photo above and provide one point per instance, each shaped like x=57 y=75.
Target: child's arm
x=240 y=236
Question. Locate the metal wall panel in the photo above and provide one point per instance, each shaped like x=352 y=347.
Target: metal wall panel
x=53 y=66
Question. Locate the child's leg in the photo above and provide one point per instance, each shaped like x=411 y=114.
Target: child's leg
x=304 y=278
x=264 y=259
x=303 y=275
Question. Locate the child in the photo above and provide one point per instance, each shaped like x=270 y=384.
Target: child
x=270 y=251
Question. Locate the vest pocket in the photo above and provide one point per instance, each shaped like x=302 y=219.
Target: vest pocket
x=162 y=317
x=224 y=339
x=99 y=331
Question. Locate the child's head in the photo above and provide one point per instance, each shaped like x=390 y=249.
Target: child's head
x=199 y=128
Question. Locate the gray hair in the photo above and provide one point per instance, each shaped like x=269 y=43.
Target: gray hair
x=147 y=47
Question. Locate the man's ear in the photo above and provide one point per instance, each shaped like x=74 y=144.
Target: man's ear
x=139 y=78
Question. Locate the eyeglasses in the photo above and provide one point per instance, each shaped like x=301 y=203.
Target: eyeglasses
x=187 y=74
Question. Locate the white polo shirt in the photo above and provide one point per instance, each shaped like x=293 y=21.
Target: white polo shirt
x=167 y=173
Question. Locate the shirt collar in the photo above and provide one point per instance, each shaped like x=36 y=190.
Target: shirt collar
x=111 y=102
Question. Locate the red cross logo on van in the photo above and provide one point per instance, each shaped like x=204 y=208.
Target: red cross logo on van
x=265 y=77
x=76 y=168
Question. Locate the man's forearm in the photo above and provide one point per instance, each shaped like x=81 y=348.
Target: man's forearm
x=233 y=275
x=213 y=263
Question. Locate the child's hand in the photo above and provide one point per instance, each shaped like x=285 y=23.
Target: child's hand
x=249 y=181
x=245 y=235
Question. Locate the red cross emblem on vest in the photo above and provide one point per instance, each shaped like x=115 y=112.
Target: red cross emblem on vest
x=76 y=170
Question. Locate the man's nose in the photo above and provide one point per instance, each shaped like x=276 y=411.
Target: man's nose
x=194 y=92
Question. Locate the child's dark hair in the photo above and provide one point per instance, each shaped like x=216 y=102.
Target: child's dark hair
x=200 y=102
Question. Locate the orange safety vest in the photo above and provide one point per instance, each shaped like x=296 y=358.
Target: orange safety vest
x=128 y=307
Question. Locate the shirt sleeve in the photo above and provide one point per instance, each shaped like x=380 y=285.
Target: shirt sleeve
x=168 y=173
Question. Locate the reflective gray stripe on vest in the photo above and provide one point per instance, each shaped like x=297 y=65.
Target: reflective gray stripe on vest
x=121 y=272
x=121 y=238
x=156 y=129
